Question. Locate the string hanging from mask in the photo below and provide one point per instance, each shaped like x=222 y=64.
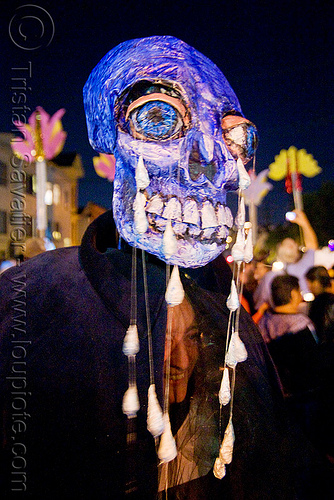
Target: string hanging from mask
x=235 y=351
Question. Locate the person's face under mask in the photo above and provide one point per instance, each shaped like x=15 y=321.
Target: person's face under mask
x=184 y=349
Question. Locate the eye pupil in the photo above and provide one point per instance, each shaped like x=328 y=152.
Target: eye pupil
x=155 y=115
x=156 y=120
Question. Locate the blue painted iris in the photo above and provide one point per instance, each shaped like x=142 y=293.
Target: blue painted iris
x=252 y=140
x=156 y=120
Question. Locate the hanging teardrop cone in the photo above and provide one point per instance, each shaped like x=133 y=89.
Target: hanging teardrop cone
x=167 y=449
x=226 y=449
x=236 y=351
x=219 y=469
x=175 y=292
x=238 y=249
x=225 y=390
x=240 y=239
x=169 y=243
x=240 y=349
x=231 y=359
x=142 y=178
x=131 y=404
x=233 y=300
x=248 y=255
x=155 y=420
x=241 y=215
x=131 y=341
x=244 y=179
x=140 y=219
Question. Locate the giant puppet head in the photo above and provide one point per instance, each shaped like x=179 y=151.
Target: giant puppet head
x=176 y=129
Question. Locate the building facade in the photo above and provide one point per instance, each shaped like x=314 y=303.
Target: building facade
x=18 y=200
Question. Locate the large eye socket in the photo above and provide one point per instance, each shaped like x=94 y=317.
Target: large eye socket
x=240 y=136
x=157 y=117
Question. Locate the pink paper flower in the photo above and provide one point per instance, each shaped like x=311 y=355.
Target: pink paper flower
x=52 y=136
x=104 y=165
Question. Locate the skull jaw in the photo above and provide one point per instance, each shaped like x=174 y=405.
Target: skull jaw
x=189 y=253
x=192 y=250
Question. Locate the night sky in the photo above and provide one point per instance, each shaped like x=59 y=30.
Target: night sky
x=277 y=56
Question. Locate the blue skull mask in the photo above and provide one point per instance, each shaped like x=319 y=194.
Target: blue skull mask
x=176 y=129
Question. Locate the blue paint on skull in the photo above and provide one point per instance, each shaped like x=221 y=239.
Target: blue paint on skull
x=160 y=103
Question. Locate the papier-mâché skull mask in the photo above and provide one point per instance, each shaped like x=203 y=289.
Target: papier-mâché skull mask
x=176 y=129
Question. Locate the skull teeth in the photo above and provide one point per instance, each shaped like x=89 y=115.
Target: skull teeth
x=155 y=205
x=199 y=220
x=190 y=212
x=172 y=210
x=209 y=219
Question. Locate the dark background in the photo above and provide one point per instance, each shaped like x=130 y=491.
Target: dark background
x=277 y=56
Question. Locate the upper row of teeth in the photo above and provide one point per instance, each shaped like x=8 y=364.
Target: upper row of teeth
x=203 y=215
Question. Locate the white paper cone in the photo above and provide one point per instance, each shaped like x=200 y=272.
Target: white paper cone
x=169 y=243
x=225 y=390
x=219 y=469
x=142 y=178
x=140 y=219
x=155 y=421
x=236 y=351
x=238 y=249
x=233 y=300
x=240 y=349
x=241 y=215
x=231 y=359
x=167 y=450
x=244 y=179
x=226 y=449
x=248 y=255
x=174 y=292
x=131 y=404
x=131 y=341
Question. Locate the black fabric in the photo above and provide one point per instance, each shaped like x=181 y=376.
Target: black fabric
x=296 y=356
x=63 y=317
x=322 y=314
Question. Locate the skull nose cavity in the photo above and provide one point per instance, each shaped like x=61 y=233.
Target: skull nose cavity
x=198 y=164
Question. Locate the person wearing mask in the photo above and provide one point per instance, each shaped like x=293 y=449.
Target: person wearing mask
x=72 y=365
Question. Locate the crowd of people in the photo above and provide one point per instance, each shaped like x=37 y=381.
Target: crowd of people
x=299 y=333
